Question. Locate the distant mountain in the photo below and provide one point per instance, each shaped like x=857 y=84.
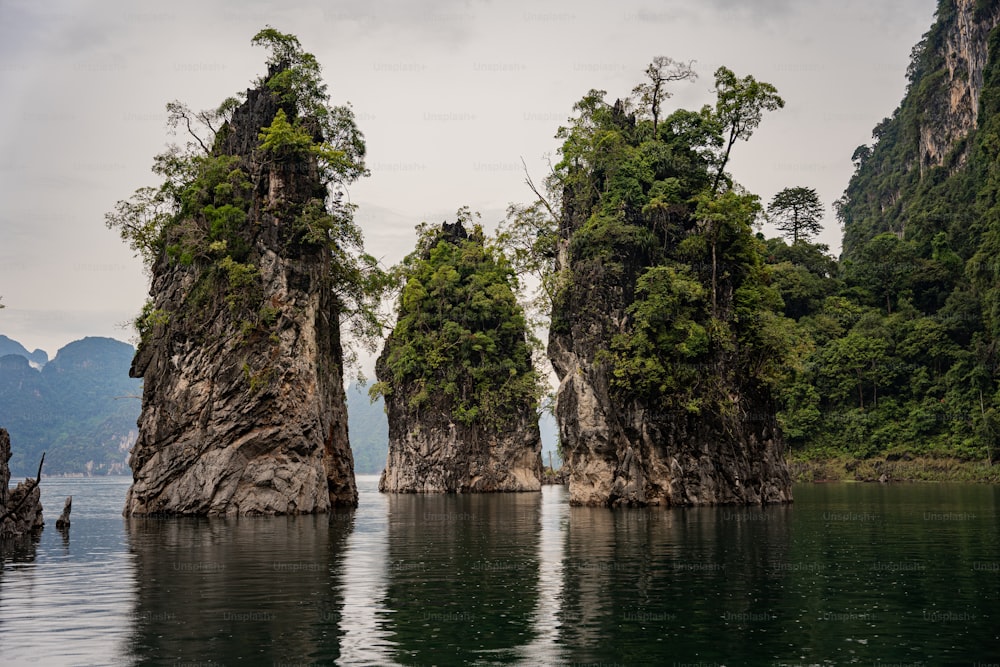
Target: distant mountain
x=368 y=429
x=38 y=358
x=80 y=408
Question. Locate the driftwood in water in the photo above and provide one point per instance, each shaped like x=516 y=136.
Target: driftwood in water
x=63 y=520
x=20 y=509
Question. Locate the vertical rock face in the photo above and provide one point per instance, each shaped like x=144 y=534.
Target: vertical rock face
x=622 y=453
x=434 y=443
x=432 y=454
x=948 y=100
x=21 y=507
x=243 y=404
x=953 y=111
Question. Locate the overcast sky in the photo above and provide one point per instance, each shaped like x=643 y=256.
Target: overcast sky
x=450 y=97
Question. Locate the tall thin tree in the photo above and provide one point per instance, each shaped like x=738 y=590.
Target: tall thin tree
x=796 y=212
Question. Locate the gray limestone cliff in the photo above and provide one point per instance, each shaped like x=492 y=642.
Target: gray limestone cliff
x=465 y=423
x=952 y=110
x=243 y=403
x=624 y=453
x=432 y=454
x=927 y=142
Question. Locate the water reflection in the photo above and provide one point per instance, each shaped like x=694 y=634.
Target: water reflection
x=849 y=574
x=19 y=549
x=463 y=576
x=544 y=648
x=688 y=584
x=363 y=579
x=241 y=589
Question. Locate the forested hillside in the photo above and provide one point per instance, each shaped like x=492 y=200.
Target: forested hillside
x=896 y=351
x=80 y=409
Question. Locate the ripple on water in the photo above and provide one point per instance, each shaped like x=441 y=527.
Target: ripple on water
x=861 y=574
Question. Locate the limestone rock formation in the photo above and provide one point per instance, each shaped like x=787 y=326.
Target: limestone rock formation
x=454 y=425
x=949 y=100
x=432 y=454
x=626 y=454
x=243 y=403
x=21 y=507
x=952 y=111
x=655 y=329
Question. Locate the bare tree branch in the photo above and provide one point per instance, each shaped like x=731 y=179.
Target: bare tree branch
x=531 y=184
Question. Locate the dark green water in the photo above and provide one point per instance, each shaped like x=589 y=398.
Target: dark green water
x=851 y=574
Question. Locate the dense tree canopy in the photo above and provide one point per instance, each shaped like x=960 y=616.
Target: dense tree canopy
x=889 y=351
x=461 y=342
x=898 y=352
x=644 y=189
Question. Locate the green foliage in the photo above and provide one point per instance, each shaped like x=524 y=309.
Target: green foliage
x=884 y=268
x=150 y=318
x=242 y=282
x=283 y=139
x=140 y=222
x=739 y=107
x=293 y=74
x=200 y=215
x=296 y=78
x=664 y=353
x=796 y=211
x=461 y=340
x=647 y=225
x=257 y=380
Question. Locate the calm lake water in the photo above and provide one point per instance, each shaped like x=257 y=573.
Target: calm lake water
x=850 y=574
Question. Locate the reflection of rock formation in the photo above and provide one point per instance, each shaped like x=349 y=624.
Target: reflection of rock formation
x=247 y=589
x=21 y=507
x=632 y=574
x=463 y=576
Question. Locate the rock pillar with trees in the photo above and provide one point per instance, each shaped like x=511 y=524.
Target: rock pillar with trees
x=255 y=261
x=460 y=391
x=665 y=334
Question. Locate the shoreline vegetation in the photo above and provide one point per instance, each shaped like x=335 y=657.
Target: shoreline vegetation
x=811 y=467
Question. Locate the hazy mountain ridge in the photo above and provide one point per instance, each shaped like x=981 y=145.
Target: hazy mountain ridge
x=80 y=408
x=9 y=346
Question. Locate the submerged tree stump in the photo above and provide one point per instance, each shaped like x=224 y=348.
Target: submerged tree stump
x=21 y=508
x=63 y=520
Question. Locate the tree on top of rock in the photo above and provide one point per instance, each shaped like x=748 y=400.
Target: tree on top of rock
x=461 y=342
x=198 y=214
